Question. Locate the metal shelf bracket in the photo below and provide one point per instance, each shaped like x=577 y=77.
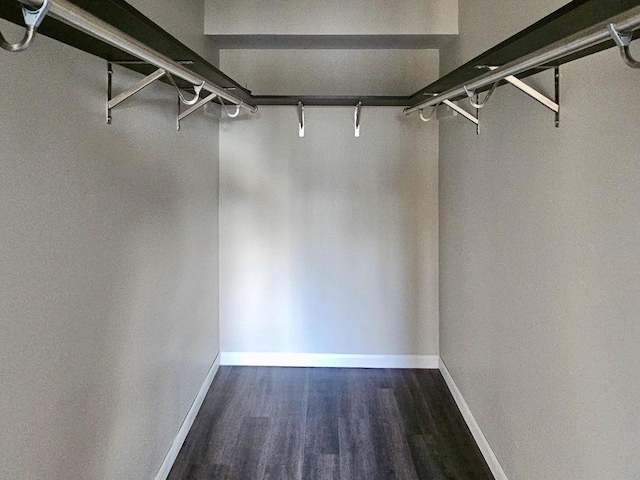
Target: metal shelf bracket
x=193 y=108
x=473 y=119
x=118 y=99
x=552 y=105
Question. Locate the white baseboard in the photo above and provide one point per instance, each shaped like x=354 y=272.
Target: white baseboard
x=262 y=359
x=479 y=437
x=172 y=454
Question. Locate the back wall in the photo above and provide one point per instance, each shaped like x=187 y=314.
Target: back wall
x=329 y=243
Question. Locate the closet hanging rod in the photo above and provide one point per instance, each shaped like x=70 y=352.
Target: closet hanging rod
x=82 y=20
x=625 y=22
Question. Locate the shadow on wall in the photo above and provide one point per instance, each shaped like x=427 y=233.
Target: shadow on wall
x=329 y=242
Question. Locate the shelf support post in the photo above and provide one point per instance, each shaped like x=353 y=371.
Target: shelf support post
x=556 y=75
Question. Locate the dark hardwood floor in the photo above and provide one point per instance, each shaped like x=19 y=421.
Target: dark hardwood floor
x=260 y=423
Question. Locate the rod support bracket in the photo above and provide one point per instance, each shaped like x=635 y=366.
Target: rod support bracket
x=32 y=20
x=197 y=89
x=228 y=112
x=300 y=119
x=430 y=117
x=623 y=41
x=357 y=116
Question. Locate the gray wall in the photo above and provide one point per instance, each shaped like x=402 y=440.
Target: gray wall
x=329 y=243
x=331 y=72
x=540 y=271
x=109 y=260
x=331 y=17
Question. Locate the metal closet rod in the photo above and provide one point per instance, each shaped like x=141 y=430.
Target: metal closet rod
x=589 y=37
x=82 y=20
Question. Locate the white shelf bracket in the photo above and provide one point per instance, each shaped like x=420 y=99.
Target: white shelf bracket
x=473 y=119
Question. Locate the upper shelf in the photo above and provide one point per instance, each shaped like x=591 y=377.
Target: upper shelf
x=332 y=42
x=129 y=20
x=568 y=20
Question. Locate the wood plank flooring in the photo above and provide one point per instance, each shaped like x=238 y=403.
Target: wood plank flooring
x=260 y=423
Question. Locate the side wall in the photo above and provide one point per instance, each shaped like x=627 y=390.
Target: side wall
x=540 y=266
x=109 y=260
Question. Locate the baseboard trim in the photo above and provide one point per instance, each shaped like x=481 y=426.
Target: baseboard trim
x=479 y=437
x=172 y=454
x=262 y=359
